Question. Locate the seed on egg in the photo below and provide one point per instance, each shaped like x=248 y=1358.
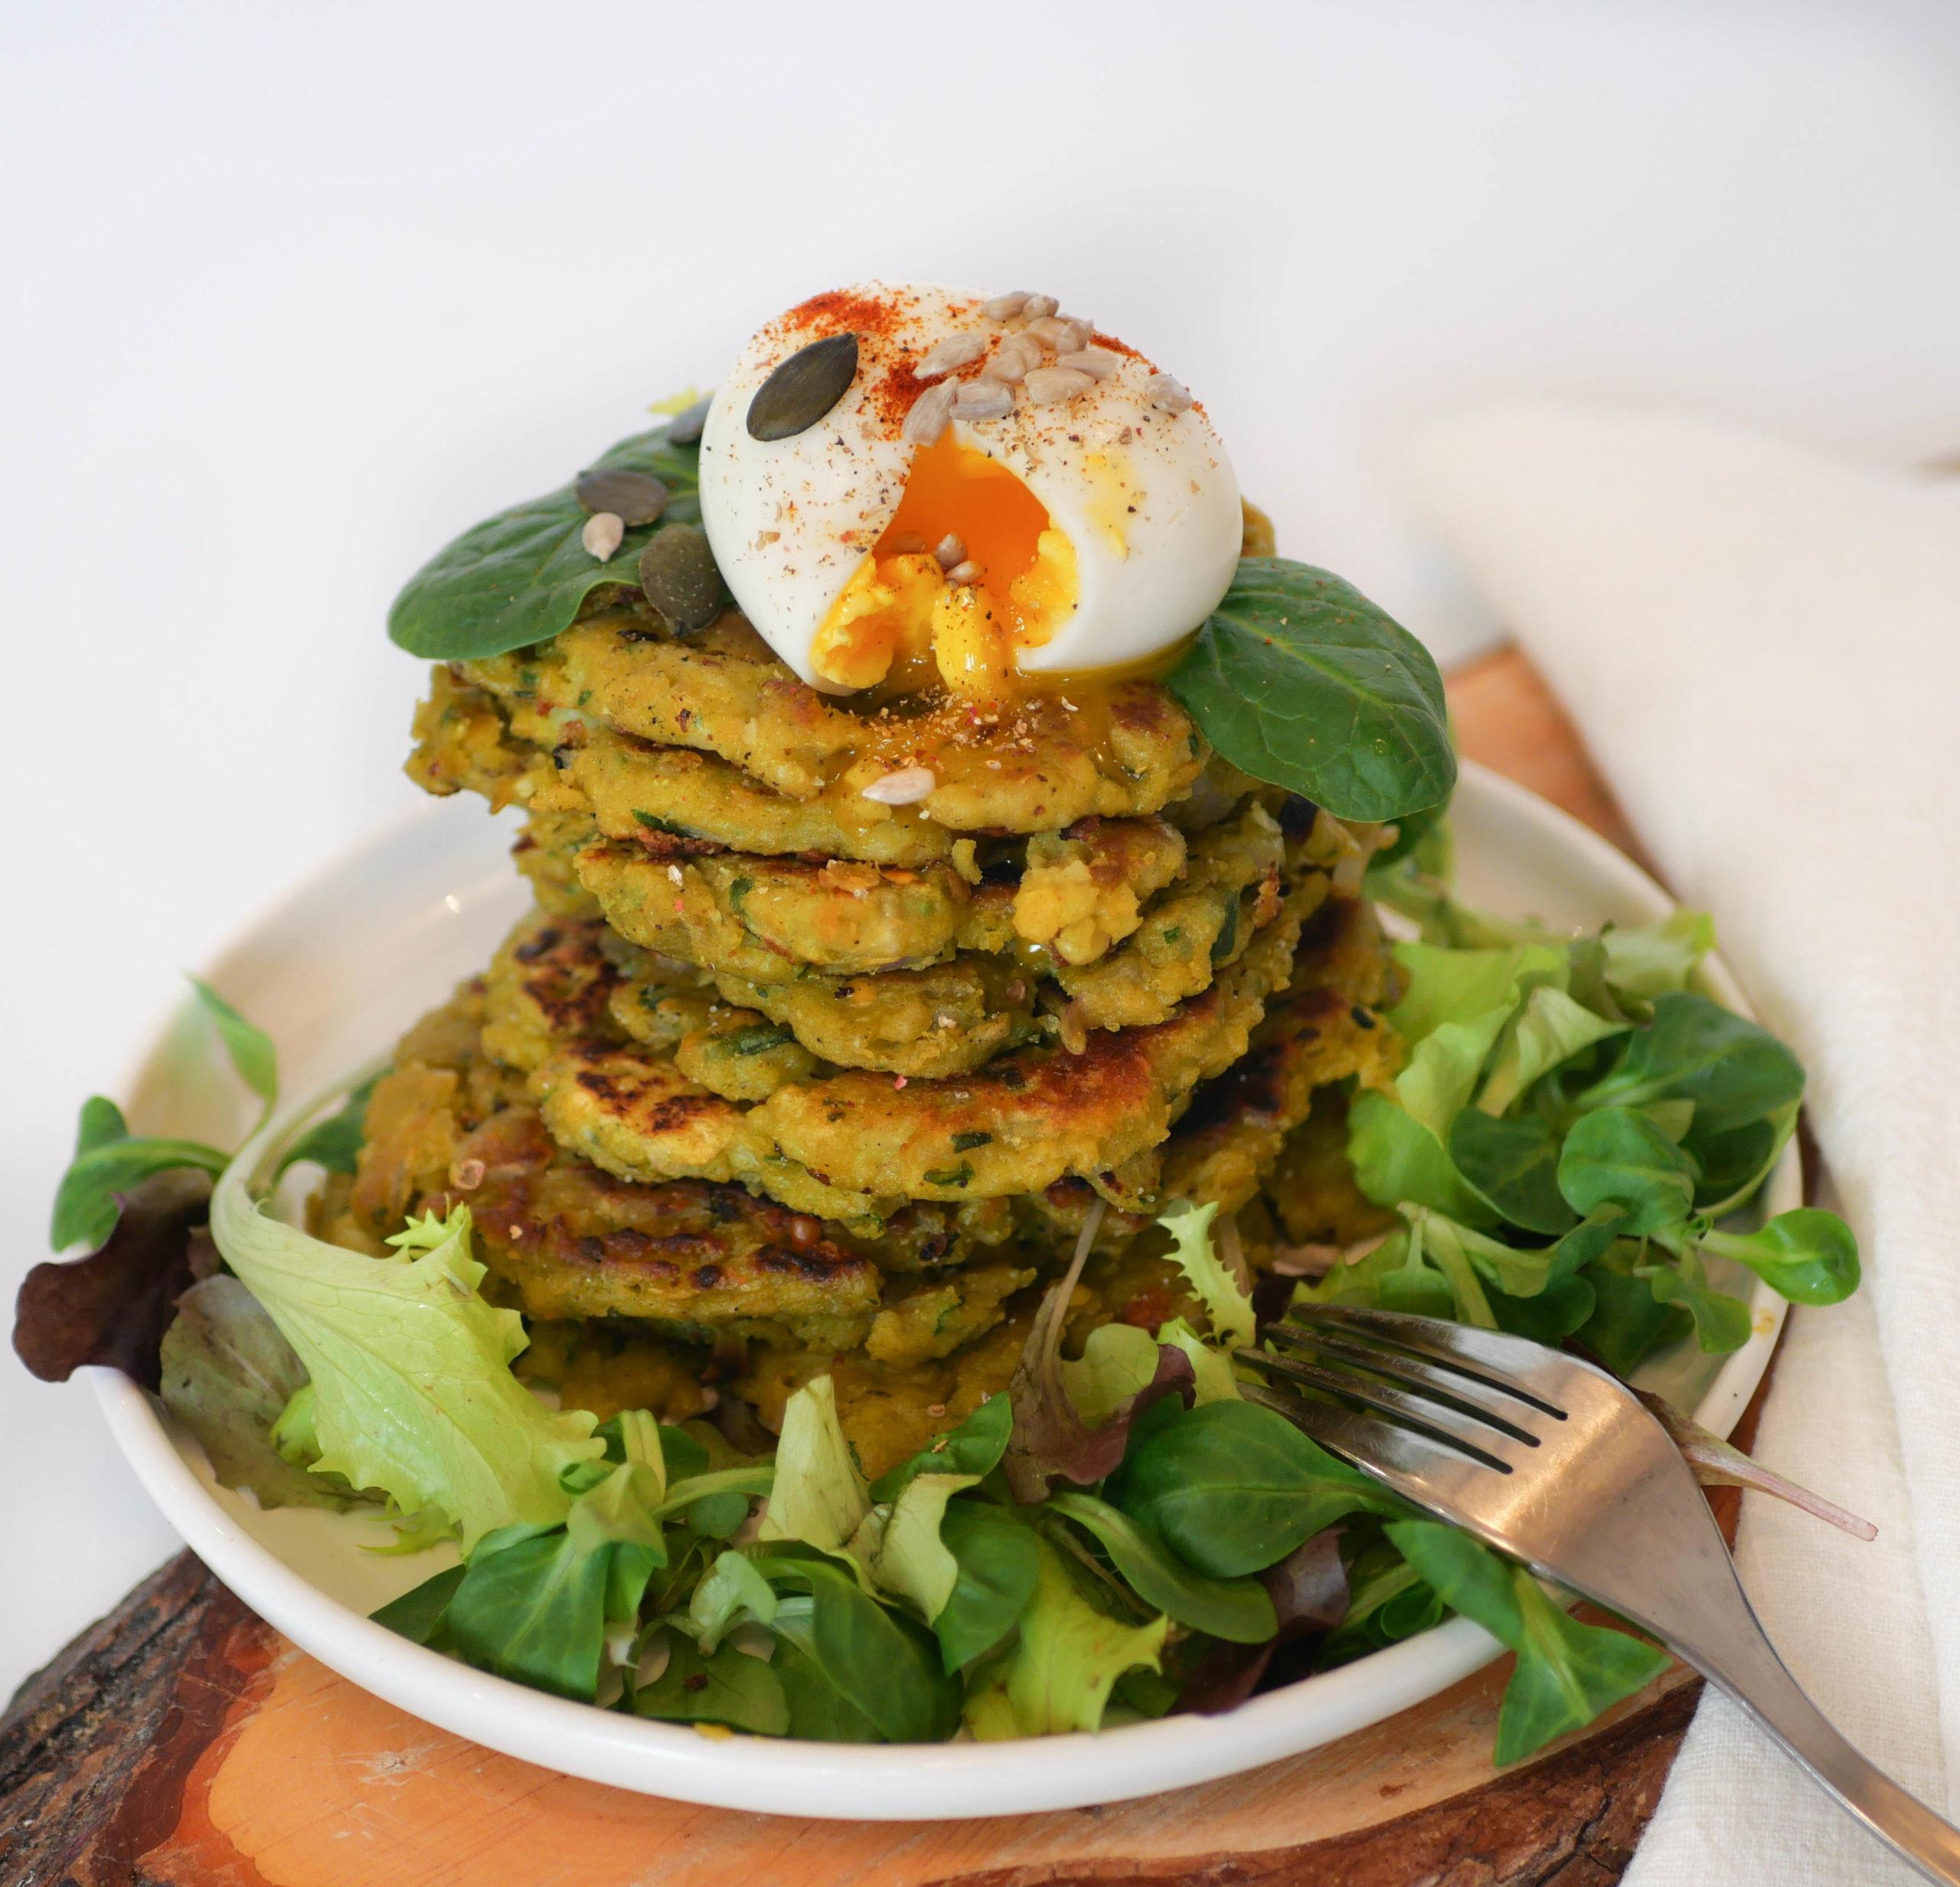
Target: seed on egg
x=1015 y=492
x=906 y=787
x=634 y=497
x=1162 y=390
x=1012 y=358
x=950 y=550
x=1059 y=334
x=1097 y=362
x=803 y=388
x=1039 y=307
x=1005 y=307
x=1049 y=386
x=980 y=400
x=956 y=350
x=604 y=532
x=684 y=428
x=930 y=415
x=677 y=572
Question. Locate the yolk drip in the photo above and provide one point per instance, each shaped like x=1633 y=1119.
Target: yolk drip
x=899 y=620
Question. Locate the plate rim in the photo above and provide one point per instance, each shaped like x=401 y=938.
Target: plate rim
x=896 y=1782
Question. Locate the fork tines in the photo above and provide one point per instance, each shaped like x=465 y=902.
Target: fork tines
x=1368 y=1376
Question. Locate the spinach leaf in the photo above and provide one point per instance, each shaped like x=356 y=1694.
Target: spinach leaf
x=88 y=1200
x=521 y=577
x=974 y=1447
x=531 y=1606
x=419 y=1613
x=1811 y=1256
x=1721 y=1322
x=249 y=1047
x=1515 y=1164
x=1735 y=1162
x=1733 y=1071
x=1240 y=1610
x=1616 y=1156
x=335 y=1142
x=819 y=1712
x=1566 y=1672
x=997 y=1555
x=1233 y=1488
x=724 y=1685
x=1627 y=1324
x=883 y=1667
x=1299 y=680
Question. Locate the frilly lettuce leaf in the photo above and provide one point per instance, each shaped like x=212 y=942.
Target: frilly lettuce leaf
x=413 y=1392
x=228 y=1377
x=1229 y=1306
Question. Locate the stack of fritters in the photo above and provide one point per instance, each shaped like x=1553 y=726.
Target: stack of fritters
x=779 y=1077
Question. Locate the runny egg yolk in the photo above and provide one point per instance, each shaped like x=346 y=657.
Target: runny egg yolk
x=899 y=618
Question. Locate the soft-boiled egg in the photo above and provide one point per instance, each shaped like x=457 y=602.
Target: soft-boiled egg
x=904 y=484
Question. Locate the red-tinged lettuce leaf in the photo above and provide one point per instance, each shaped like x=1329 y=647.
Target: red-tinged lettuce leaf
x=113 y=1306
x=1051 y=1440
x=1308 y=1589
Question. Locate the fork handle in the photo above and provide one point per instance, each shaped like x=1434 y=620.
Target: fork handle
x=1749 y=1670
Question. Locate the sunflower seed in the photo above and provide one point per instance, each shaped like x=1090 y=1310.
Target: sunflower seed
x=1005 y=307
x=1059 y=334
x=684 y=428
x=634 y=497
x=1038 y=307
x=1162 y=391
x=906 y=787
x=930 y=413
x=1097 y=362
x=603 y=533
x=1048 y=386
x=1012 y=358
x=803 y=388
x=978 y=399
x=966 y=570
x=906 y=544
x=950 y=550
x=956 y=350
x=677 y=572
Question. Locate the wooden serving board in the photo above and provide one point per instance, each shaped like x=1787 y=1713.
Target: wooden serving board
x=183 y=1740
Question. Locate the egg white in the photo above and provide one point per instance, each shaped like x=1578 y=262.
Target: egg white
x=1147 y=497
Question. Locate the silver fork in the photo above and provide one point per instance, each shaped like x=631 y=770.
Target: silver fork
x=1555 y=1462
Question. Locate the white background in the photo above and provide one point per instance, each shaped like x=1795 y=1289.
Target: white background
x=292 y=293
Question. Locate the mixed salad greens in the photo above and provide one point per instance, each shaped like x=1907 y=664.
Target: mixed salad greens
x=1117 y=1536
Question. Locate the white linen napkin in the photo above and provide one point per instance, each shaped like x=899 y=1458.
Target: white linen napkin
x=1762 y=647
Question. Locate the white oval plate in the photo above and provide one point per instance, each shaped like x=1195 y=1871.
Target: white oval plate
x=345 y=963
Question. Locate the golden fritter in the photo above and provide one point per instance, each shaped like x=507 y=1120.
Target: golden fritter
x=1035 y=765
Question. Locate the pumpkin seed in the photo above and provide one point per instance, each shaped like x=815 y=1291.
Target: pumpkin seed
x=684 y=428
x=804 y=388
x=633 y=497
x=678 y=574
